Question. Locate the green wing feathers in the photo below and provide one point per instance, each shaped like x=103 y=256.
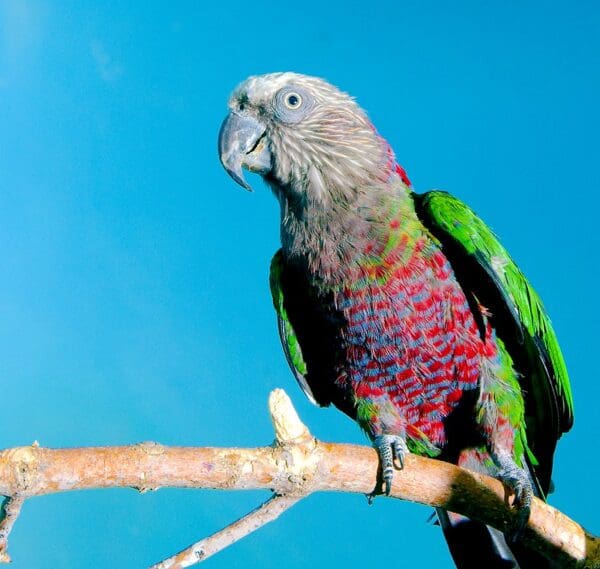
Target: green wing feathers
x=470 y=241
x=291 y=346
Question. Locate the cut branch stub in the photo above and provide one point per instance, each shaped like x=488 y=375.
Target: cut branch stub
x=286 y=423
x=296 y=451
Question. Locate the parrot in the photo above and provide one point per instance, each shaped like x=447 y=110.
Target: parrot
x=403 y=310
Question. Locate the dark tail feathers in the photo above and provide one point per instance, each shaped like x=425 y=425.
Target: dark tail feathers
x=474 y=545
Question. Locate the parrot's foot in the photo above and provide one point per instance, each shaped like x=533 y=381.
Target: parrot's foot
x=518 y=481
x=391 y=450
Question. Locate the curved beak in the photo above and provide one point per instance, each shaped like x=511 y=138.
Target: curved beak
x=243 y=144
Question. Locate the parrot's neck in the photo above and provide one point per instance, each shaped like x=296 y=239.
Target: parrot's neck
x=330 y=235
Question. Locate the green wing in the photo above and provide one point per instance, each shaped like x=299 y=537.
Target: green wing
x=289 y=341
x=485 y=269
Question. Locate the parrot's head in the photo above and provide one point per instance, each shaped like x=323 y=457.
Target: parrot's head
x=303 y=135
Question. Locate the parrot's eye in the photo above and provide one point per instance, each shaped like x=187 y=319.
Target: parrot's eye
x=293 y=100
x=292 y=104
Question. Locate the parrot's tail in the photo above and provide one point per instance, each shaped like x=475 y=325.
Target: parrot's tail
x=474 y=545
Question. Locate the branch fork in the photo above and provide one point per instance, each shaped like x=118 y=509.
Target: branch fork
x=296 y=455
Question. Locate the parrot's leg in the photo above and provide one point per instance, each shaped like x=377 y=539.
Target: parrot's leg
x=518 y=481
x=391 y=450
x=501 y=415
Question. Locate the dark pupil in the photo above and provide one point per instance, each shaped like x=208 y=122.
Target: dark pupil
x=293 y=100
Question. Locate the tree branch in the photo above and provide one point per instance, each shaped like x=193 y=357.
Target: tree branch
x=294 y=466
x=11 y=508
x=205 y=548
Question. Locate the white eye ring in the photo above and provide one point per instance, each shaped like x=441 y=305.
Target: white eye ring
x=292 y=100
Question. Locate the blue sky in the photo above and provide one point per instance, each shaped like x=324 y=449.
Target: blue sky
x=134 y=300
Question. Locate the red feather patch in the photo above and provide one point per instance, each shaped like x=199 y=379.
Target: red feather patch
x=403 y=176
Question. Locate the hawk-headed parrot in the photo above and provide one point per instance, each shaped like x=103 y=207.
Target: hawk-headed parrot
x=401 y=309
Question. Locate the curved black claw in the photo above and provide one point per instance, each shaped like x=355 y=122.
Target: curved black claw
x=518 y=481
x=391 y=450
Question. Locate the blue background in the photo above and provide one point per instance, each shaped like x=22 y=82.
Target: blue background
x=134 y=302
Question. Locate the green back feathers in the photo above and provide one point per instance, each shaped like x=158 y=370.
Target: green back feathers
x=485 y=269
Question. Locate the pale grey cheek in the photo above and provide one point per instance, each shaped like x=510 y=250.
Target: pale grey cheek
x=291 y=116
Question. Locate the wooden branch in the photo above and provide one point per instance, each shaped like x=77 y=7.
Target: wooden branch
x=288 y=430
x=11 y=508
x=202 y=550
x=295 y=465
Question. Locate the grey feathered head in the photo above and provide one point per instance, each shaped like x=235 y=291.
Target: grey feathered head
x=302 y=135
